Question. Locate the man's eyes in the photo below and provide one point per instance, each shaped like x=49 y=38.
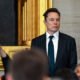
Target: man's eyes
x=54 y=19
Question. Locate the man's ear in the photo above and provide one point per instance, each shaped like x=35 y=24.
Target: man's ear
x=9 y=77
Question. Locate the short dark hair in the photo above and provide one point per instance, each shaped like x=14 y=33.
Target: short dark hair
x=29 y=64
x=51 y=10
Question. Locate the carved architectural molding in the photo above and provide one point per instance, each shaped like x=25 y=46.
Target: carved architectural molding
x=30 y=19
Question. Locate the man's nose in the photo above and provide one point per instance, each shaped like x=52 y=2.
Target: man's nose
x=55 y=22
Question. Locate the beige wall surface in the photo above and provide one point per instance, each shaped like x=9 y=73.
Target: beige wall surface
x=70 y=19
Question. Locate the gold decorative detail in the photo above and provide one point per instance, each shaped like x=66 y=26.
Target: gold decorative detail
x=10 y=50
x=30 y=19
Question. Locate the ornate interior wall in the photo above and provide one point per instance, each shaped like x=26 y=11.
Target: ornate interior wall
x=30 y=23
x=30 y=19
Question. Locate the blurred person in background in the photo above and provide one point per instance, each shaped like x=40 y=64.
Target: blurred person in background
x=28 y=64
x=5 y=61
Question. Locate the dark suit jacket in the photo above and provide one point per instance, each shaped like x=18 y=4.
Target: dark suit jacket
x=66 y=54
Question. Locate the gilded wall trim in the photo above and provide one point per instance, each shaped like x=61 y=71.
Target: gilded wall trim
x=30 y=19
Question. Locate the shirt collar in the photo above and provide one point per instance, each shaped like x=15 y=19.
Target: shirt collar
x=56 y=35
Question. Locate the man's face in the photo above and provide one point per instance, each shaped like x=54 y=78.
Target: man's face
x=52 y=22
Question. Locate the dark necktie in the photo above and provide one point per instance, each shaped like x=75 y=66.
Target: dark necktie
x=51 y=56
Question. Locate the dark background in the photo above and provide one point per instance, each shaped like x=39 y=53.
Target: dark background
x=8 y=22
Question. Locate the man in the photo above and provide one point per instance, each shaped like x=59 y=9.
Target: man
x=28 y=65
x=64 y=46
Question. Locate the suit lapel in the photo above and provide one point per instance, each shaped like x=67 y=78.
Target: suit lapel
x=43 y=42
x=59 y=52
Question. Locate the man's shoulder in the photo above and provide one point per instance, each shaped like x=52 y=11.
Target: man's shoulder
x=39 y=37
x=66 y=36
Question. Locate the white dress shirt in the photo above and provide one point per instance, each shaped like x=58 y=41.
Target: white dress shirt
x=55 y=42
